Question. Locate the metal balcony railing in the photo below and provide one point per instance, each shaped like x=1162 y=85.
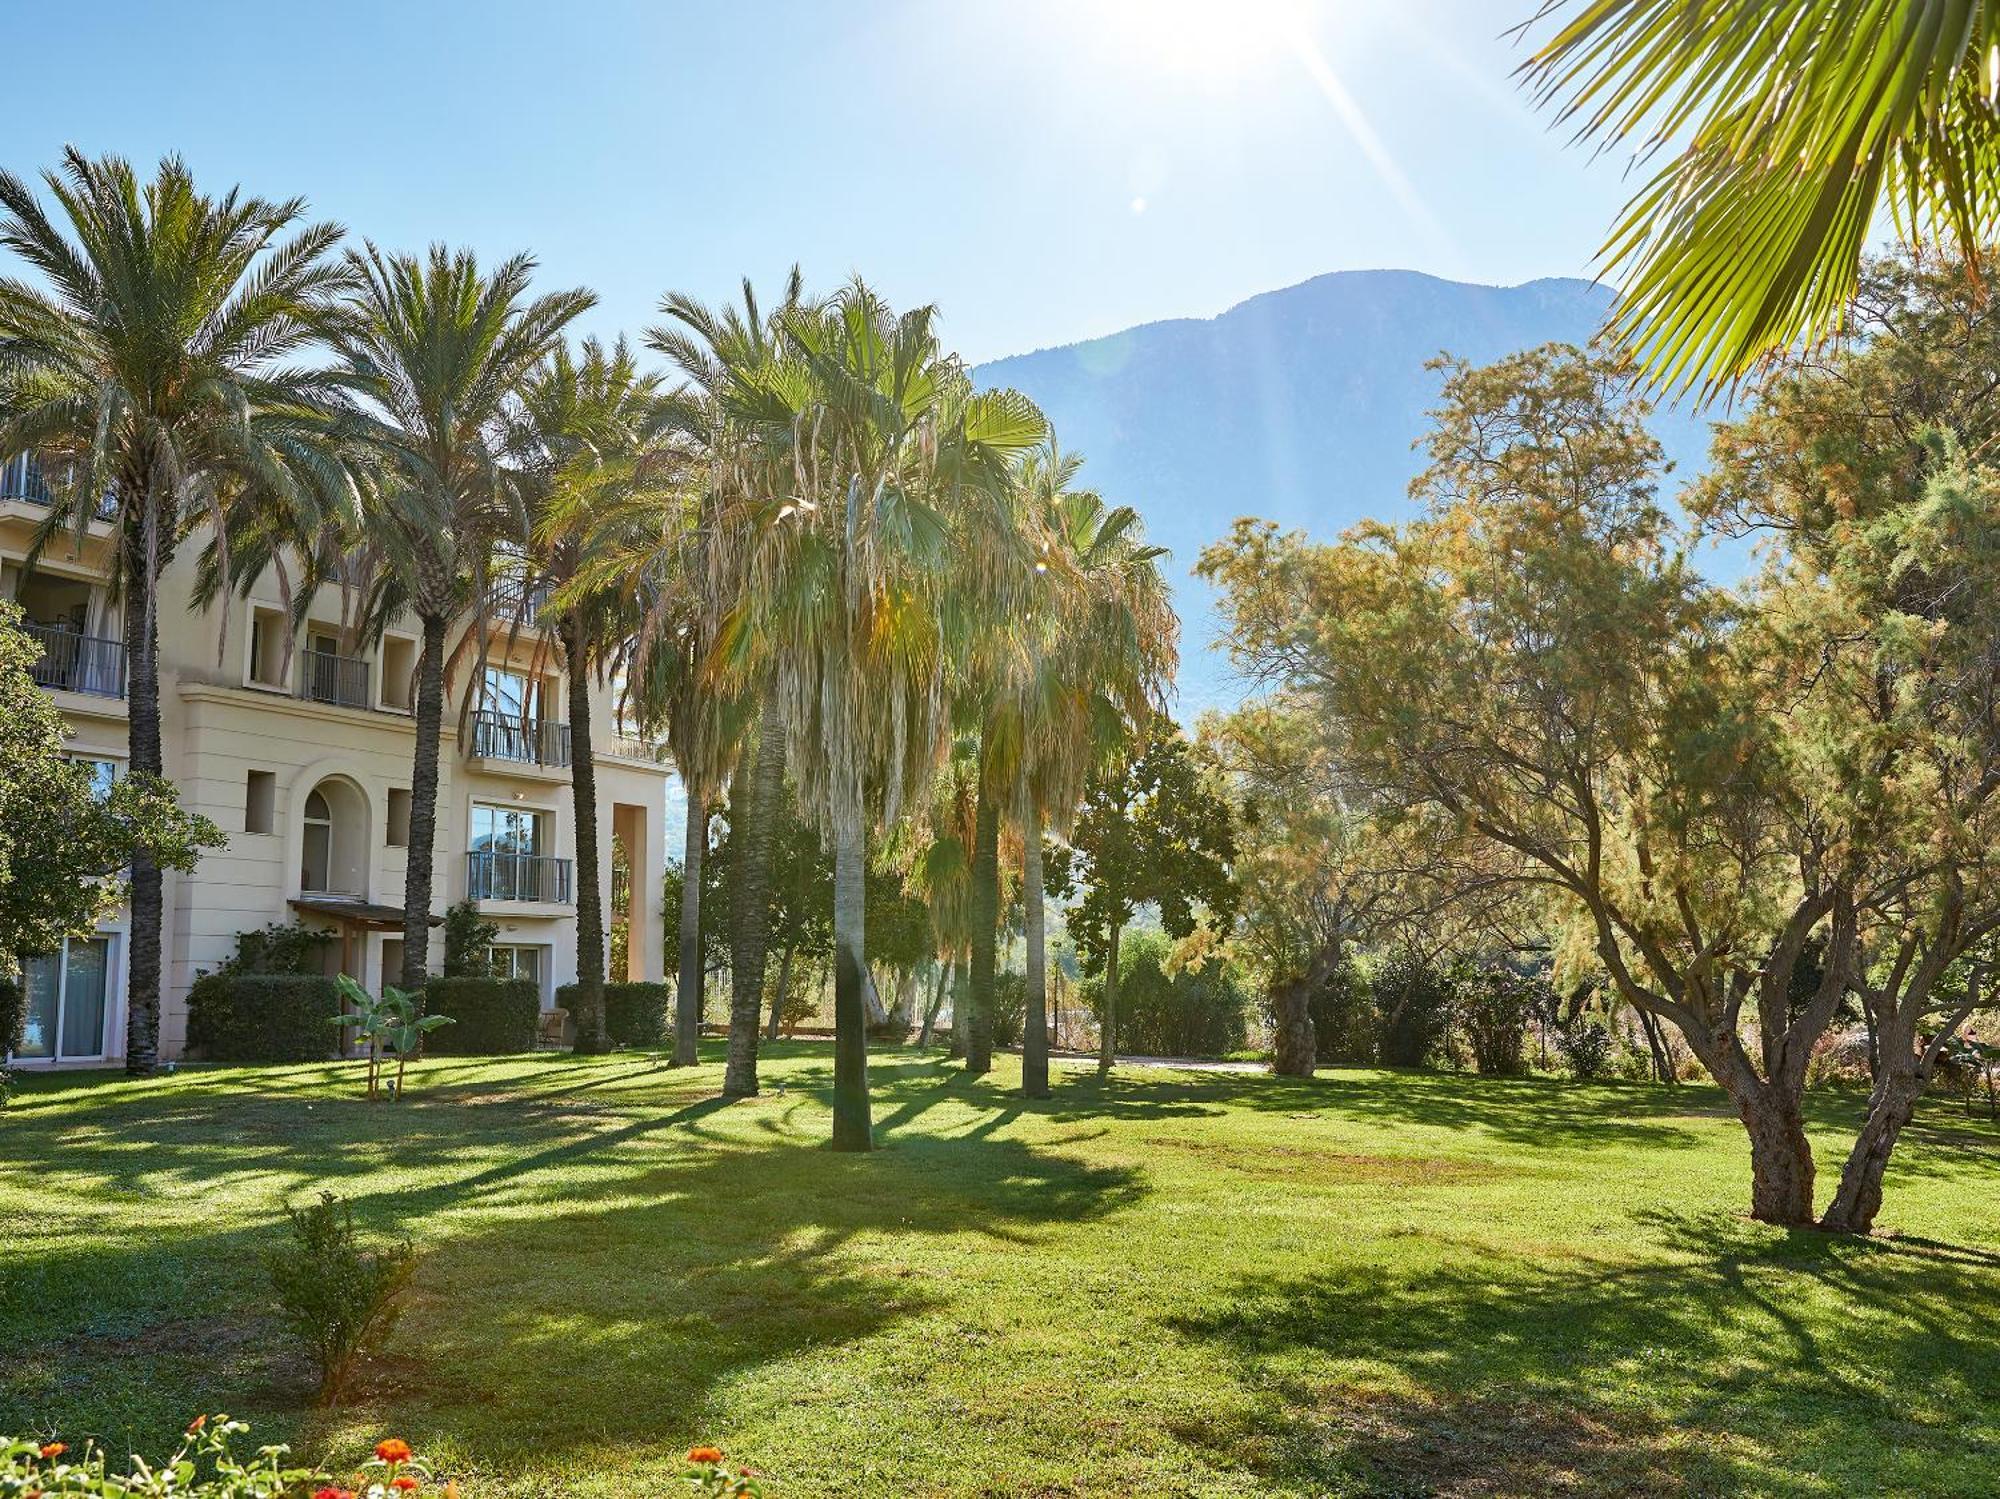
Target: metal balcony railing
x=502 y=736
x=74 y=662
x=21 y=478
x=513 y=601
x=499 y=876
x=327 y=678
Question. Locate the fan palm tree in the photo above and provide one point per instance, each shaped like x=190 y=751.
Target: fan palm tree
x=888 y=455
x=436 y=351
x=155 y=366
x=585 y=435
x=1799 y=122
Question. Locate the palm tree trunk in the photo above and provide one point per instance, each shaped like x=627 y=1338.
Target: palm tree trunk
x=783 y=989
x=1035 y=1027
x=591 y=1036
x=142 y=686
x=936 y=1004
x=423 y=807
x=978 y=1023
x=1107 y=1039
x=851 y=1129
x=751 y=919
x=688 y=996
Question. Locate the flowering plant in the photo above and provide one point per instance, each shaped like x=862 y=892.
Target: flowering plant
x=709 y=1476
x=31 y=1469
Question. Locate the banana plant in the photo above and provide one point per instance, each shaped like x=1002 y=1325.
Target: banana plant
x=392 y=1020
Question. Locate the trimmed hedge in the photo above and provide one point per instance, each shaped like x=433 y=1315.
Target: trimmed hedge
x=263 y=1017
x=13 y=1015
x=635 y=1013
x=489 y=1016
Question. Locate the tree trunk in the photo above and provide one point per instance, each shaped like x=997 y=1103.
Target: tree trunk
x=873 y=1012
x=592 y=1037
x=783 y=989
x=1781 y=1158
x=1035 y=1023
x=423 y=807
x=1107 y=1037
x=936 y=1004
x=1899 y=1083
x=1294 y=1043
x=961 y=1007
x=985 y=928
x=142 y=687
x=1663 y=1067
x=850 y=954
x=688 y=994
x=751 y=926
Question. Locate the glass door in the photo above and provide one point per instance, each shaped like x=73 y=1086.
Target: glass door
x=68 y=994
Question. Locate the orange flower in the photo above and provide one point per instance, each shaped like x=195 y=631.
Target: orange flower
x=393 y=1450
x=704 y=1454
x=403 y=1481
x=55 y=1449
x=330 y=1492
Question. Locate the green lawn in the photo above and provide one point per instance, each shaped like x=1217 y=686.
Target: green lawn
x=1375 y=1283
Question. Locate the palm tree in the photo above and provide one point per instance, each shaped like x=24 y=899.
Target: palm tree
x=155 y=366
x=436 y=351
x=585 y=435
x=884 y=454
x=1799 y=122
x=710 y=684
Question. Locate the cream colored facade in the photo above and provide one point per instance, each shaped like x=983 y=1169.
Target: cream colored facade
x=302 y=758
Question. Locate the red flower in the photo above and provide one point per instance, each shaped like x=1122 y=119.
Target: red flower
x=704 y=1454
x=403 y=1481
x=330 y=1492
x=55 y=1449
x=393 y=1450
x=196 y=1424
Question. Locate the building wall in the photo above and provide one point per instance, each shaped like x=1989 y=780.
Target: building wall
x=219 y=725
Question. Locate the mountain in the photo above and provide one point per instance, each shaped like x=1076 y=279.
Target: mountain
x=1301 y=406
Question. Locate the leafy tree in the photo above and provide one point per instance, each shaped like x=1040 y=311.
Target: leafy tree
x=1694 y=785
x=1156 y=829
x=468 y=939
x=157 y=365
x=1193 y=1010
x=1799 y=121
x=435 y=353
x=62 y=844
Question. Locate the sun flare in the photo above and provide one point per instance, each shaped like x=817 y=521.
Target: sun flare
x=1216 y=40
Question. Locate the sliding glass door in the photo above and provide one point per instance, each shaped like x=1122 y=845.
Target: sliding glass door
x=68 y=996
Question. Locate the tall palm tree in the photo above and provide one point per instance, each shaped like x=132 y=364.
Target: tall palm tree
x=887 y=454
x=1794 y=124
x=156 y=364
x=585 y=434
x=436 y=351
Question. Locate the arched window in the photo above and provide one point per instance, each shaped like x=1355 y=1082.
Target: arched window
x=316 y=860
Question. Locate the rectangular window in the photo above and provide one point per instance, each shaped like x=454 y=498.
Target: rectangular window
x=103 y=775
x=267 y=648
x=506 y=830
x=67 y=994
x=399 y=817
x=260 y=801
x=516 y=961
x=399 y=672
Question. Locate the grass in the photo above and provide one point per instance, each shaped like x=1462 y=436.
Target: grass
x=1174 y=1283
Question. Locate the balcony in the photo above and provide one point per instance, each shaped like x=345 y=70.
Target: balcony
x=504 y=876
x=73 y=662
x=514 y=602
x=339 y=680
x=502 y=736
x=21 y=478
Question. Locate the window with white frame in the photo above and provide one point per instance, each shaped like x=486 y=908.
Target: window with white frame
x=516 y=960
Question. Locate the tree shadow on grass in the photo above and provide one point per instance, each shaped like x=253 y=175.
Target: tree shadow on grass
x=1740 y=1359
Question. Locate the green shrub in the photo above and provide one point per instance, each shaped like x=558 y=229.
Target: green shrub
x=1413 y=1003
x=336 y=1298
x=492 y=1015
x=468 y=940
x=263 y=1017
x=1586 y=1047
x=13 y=1016
x=1195 y=1012
x=1343 y=1016
x=1010 y=1008
x=635 y=1012
x=1495 y=1003
x=281 y=947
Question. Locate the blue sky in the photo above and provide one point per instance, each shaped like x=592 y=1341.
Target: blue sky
x=1044 y=171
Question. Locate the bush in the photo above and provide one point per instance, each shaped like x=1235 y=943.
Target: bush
x=468 y=938
x=635 y=1014
x=1196 y=1012
x=281 y=947
x=1413 y=1005
x=1494 y=1005
x=1586 y=1048
x=1343 y=1017
x=13 y=1016
x=263 y=1017
x=492 y=1015
x=1010 y=1008
x=337 y=1299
